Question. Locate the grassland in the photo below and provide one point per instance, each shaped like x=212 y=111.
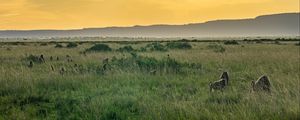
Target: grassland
x=127 y=88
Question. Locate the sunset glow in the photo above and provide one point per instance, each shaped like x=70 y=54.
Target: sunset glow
x=73 y=14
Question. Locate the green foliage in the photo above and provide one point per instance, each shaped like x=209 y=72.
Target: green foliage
x=126 y=49
x=120 y=108
x=231 y=42
x=33 y=58
x=259 y=42
x=147 y=64
x=72 y=45
x=179 y=45
x=59 y=46
x=155 y=47
x=277 y=42
x=99 y=48
x=43 y=44
x=226 y=99
x=143 y=49
x=216 y=48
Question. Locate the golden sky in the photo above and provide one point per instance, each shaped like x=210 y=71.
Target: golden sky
x=71 y=14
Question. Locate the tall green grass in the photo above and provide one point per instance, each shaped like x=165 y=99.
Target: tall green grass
x=128 y=91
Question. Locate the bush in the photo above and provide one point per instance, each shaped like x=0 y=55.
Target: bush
x=216 y=48
x=43 y=44
x=231 y=42
x=179 y=45
x=147 y=64
x=126 y=49
x=33 y=58
x=259 y=42
x=277 y=42
x=143 y=49
x=156 y=47
x=72 y=45
x=99 y=48
x=58 y=46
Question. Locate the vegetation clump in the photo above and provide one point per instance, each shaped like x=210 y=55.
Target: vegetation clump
x=231 y=42
x=126 y=49
x=147 y=64
x=33 y=58
x=179 y=45
x=59 y=46
x=72 y=45
x=216 y=48
x=155 y=47
x=277 y=42
x=43 y=44
x=99 y=48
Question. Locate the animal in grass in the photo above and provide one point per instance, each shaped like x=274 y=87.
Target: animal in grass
x=30 y=64
x=105 y=61
x=104 y=67
x=220 y=84
x=52 y=67
x=217 y=85
x=153 y=72
x=262 y=84
x=70 y=60
x=225 y=76
x=84 y=53
x=62 y=71
x=42 y=59
x=57 y=58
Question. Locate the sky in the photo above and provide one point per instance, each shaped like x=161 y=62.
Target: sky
x=76 y=14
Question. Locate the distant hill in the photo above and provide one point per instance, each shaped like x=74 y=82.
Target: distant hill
x=286 y=24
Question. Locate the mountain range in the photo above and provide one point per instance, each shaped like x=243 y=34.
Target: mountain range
x=284 y=24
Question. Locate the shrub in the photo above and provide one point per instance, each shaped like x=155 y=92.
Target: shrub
x=231 y=42
x=58 y=46
x=72 y=45
x=179 y=45
x=156 y=47
x=43 y=44
x=126 y=49
x=277 y=42
x=184 y=40
x=143 y=49
x=99 y=48
x=216 y=48
x=147 y=64
x=259 y=41
x=134 y=55
x=33 y=58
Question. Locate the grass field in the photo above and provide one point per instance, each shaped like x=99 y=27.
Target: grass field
x=127 y=87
